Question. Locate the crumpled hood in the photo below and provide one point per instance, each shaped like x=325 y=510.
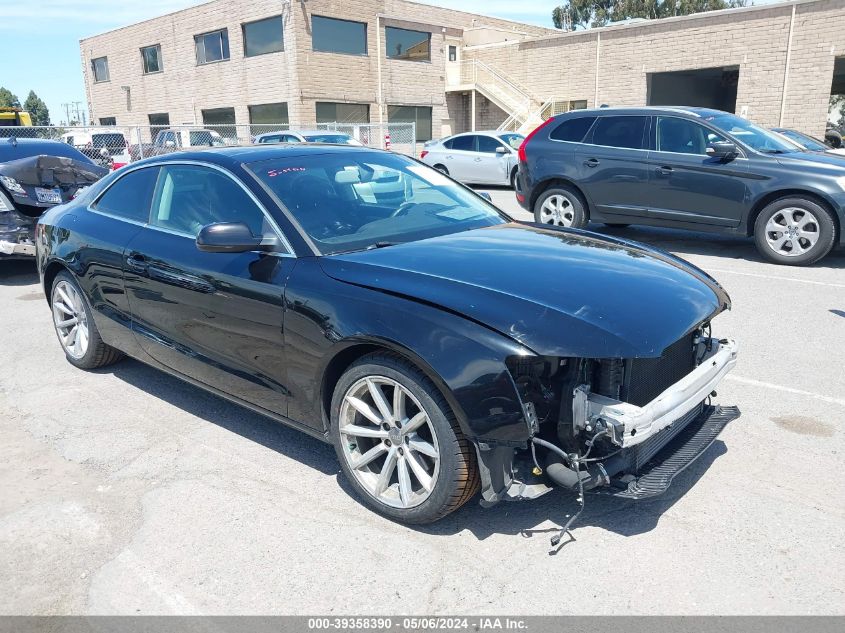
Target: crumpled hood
x=558 y=292
x=49 y=172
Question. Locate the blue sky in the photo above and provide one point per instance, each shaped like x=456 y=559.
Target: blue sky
x=44 y=37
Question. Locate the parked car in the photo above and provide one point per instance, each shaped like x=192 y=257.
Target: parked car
x=305 y=136
x=36 y=175
x=810 y=143
x=430 y=339
x=689 y=168
x=488 y=158
x=106 y=147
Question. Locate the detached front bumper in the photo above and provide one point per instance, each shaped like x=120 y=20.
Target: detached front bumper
x=628 y=425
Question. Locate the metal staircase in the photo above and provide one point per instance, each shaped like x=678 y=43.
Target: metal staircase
x=524 y=110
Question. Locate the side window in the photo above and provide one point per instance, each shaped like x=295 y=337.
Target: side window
x=488 y=145
x=129 y=197
x=271 y=139
x=189 y=197
x=464 y=143
x=681 y=136
x=290 y=138
x=620 y=131
x=573 y=130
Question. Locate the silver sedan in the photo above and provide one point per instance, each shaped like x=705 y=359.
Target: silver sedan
x=488 y=158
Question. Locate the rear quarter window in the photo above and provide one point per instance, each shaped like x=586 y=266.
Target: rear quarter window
x=573 y=130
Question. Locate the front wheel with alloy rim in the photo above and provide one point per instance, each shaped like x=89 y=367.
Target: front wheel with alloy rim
x=398 y=442
x=75 y=328
x=561 y=206
x=794 y=231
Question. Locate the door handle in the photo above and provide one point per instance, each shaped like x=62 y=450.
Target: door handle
x=478 y=160
x=665 y=170
x=592 y=162
x=449 y=156
x=137 y=262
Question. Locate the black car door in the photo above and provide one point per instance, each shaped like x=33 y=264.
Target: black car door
x=215 y=317
x=111 y=221
x=689 y=186
x=612 y=164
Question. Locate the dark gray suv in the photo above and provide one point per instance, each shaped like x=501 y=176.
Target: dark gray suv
x=689 y=168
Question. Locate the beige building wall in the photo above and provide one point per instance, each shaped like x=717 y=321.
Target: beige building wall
x=298 y=76
x=611 y=65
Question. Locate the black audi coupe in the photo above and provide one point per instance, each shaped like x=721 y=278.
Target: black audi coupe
x=374 y=303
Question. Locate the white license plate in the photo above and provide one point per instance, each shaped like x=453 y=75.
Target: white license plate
x=53 y=196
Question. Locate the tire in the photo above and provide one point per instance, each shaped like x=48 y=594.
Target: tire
x=452 y=476
x=809 y=231
x=834 y=138
x=86 y=349
x=513 y=177
x=561 y=206
x=615 y=225
x=442 y=168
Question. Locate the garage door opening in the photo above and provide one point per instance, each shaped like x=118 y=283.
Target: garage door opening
x=702 y=87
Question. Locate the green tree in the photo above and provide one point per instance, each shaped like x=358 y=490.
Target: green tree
x=837 y=108
x=37 y=109
x=585 y=14
x=8 y=100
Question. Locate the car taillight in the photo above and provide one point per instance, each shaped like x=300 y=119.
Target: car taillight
x=521 y=151
x=423 y=153
x=115 y=166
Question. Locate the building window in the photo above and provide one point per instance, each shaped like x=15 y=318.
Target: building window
x=421 y=115
x=158 y=122
x=263 y=36
x=100 y=66
x=151 y=55
x=408 y=45
x=453 y=53
x=338 y=36
x=221 y=120
x=212 y=47
x=580 y=104
x=108 y=120
x=268 y=114
x=343 y=112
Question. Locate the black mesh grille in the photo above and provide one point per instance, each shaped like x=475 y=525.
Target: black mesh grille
x=647 y=378
x=639 y=454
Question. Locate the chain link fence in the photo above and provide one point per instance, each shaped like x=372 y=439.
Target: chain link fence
x=118 y=145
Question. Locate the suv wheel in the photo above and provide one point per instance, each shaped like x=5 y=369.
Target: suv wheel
x=794 y=231
x=398 y=442
x=561 y=206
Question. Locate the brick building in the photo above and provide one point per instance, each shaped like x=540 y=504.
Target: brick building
x=277 y=61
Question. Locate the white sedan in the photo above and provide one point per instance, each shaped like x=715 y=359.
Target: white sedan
x=488 y=158
x=305 y=136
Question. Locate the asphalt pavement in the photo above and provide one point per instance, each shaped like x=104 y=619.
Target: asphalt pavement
x=127 y=491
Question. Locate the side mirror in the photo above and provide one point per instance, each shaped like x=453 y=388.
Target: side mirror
x=230 y=237
x=501 y=150
x=104 y=152
x=485 y=195
x=724 y=150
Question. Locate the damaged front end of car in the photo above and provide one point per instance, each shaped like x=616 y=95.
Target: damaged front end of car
x=620 y=426
x=31 y=186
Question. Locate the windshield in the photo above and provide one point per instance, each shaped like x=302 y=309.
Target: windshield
x=342 y=139
x=109 y=140
x=15 y=151
x=514 y=140
x=808 y=142
x=205 y=137
x=358 y=200
x=752 y=135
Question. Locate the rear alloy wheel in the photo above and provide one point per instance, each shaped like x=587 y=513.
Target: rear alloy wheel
x=514 y=172
x=560 y=206
x=442 y=169
x=794 y=231
x=75 y=328
x=398 y=443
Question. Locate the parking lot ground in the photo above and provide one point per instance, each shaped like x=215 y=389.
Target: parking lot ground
x=127 y=491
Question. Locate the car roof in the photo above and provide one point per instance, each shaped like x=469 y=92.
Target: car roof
x=31 y=141
x=651 y=110
x=236 y=154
